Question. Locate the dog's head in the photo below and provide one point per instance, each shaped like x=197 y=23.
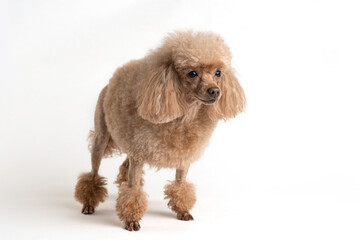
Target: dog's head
x=189 y=69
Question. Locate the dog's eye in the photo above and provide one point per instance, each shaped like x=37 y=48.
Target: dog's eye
x=218 y=73
x=192 y=74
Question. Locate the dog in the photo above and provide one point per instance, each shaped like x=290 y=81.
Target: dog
x=160 y=110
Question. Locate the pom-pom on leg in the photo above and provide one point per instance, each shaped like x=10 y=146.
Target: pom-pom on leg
x=131 y=205
x=181 y=195
x=90 y=191
x=132 y=201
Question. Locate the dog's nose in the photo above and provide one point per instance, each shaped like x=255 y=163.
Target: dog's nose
x=214 y=92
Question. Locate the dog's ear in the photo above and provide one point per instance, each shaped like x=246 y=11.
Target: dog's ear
x=158 y=99
x=232 y=100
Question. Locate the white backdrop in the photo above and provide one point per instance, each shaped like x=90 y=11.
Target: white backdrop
x=286 y=169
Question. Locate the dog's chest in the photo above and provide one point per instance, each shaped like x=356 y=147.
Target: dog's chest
x=174 y=145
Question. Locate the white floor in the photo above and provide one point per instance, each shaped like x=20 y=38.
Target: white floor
x=296 y=212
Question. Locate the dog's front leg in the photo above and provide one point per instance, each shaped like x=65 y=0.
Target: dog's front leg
x=181 y=195
x=132 y=202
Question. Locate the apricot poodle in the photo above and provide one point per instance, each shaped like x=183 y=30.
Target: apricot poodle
x=160 y=110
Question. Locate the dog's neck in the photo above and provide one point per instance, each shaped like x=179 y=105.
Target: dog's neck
x=192 y=111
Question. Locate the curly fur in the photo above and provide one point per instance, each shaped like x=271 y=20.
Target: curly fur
x=131 y=203
x=157 y=114
x=90 y=190
x=181 y=196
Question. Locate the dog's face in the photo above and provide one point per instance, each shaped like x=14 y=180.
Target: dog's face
x=202 y=83
x=189 y=67
x=200 y=59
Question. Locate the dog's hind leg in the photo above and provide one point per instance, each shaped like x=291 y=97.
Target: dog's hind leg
x=123 y=175
x=181 y=195
x=90 y=189
x=132 y=201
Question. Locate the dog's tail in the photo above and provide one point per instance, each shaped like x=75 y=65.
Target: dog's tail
x=110 y=150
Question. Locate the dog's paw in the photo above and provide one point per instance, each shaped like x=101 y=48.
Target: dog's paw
x=184 y=216
x=132 y=225
x=87 y=209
